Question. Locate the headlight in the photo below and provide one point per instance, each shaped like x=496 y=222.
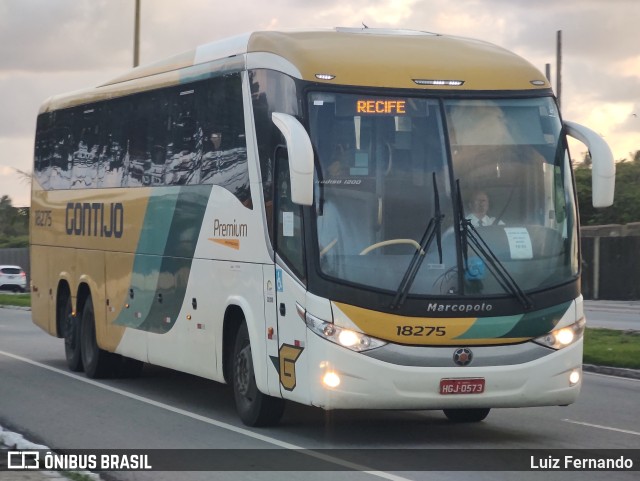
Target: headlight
x=564 y=336
x=356 y=341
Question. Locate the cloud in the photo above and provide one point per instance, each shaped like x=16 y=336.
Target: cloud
x=50 y=47
x=22 y=93
x=381 y=13
x=46 y=36
x=15 y=153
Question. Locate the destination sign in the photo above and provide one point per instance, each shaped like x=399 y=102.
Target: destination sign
x=381 y=106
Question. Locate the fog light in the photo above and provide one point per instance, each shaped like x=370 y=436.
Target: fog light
x=331 y=379
x=574 y=377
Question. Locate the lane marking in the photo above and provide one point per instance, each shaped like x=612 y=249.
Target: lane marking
x=213 y=422
x=611 y=376
x=625 y=431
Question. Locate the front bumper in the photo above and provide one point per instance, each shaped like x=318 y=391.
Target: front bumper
x=368 y=383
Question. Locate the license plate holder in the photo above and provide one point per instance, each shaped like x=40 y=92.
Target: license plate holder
x=467 y=385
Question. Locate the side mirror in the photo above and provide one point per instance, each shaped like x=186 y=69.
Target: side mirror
x=300 y=152
x=603 y=168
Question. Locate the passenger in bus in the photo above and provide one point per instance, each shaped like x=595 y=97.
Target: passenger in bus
x=479 y=205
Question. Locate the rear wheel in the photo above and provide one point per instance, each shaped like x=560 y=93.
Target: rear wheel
x=466 y=415
x=97 y=362
x=253 y=407
x=71 y=333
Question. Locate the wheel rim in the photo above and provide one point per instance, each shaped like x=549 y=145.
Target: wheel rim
x=244 y=375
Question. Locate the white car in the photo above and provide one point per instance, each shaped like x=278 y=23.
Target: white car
x=13 y=278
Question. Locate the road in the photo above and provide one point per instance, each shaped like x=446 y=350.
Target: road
x=622 y=315
x=165 y=409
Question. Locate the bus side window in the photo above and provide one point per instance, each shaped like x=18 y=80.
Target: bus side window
x=289 y=242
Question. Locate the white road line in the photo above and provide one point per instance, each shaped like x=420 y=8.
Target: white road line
x=213 y=422
x=625 y=431
x=611 y=376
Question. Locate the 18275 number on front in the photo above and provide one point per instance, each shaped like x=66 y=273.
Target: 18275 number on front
x=425 y=331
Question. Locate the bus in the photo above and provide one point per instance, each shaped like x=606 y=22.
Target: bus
x=290 y=212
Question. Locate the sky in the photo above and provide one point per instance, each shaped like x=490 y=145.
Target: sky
x=48 y=47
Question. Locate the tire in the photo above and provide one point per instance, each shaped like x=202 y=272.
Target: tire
x=253 y=407
x=71 y=333
x=466 y=415
x=97 y=362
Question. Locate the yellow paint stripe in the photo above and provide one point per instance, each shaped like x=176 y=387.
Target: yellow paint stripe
x=392 y=326
x=432 y=331
x=233 y=243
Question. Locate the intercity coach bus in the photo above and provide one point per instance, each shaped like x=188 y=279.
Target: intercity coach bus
x=292 y=213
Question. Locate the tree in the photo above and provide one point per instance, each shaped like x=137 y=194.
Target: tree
x=7 y=214
x=626 y=206
x=14 y=224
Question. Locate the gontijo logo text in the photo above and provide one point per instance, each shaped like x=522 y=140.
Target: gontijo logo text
x=95 y=219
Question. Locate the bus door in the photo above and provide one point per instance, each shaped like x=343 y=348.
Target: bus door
x=290 y=291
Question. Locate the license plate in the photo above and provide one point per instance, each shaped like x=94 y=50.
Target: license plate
x=462 y=386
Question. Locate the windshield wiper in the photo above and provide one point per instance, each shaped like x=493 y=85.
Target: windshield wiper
x=433 y=231
x=471 y=238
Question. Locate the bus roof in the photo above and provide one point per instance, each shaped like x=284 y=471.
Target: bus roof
x=358 y=57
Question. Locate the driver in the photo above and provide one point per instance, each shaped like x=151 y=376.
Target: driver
x=479 y=206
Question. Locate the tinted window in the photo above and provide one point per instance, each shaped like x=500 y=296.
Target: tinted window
x=185 y=135
x=11 y=270
x=186 y=138
x=114 y=152
x=85 y=146
x=289 y=237
x=270 y=92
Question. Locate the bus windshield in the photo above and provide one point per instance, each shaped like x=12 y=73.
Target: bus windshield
x=390 y=166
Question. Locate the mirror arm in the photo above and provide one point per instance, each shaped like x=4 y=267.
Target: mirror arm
x=300 y=152
x=603 y=170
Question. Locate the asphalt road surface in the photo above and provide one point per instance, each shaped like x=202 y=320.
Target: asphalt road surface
x=164 y=409
x=622 y=315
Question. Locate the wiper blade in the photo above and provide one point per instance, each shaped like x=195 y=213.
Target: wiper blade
x=433 y=231
x=471 y=238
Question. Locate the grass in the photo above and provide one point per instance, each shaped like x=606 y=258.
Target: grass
x=608 y=347
x=22 y=300
x=75 y=476
x=602 y=347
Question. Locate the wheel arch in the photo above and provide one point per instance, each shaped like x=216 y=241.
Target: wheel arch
x=238 y=310
x=233 y=319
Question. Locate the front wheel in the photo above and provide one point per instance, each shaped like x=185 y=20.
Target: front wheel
x=253 y=407
x=466 y=415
